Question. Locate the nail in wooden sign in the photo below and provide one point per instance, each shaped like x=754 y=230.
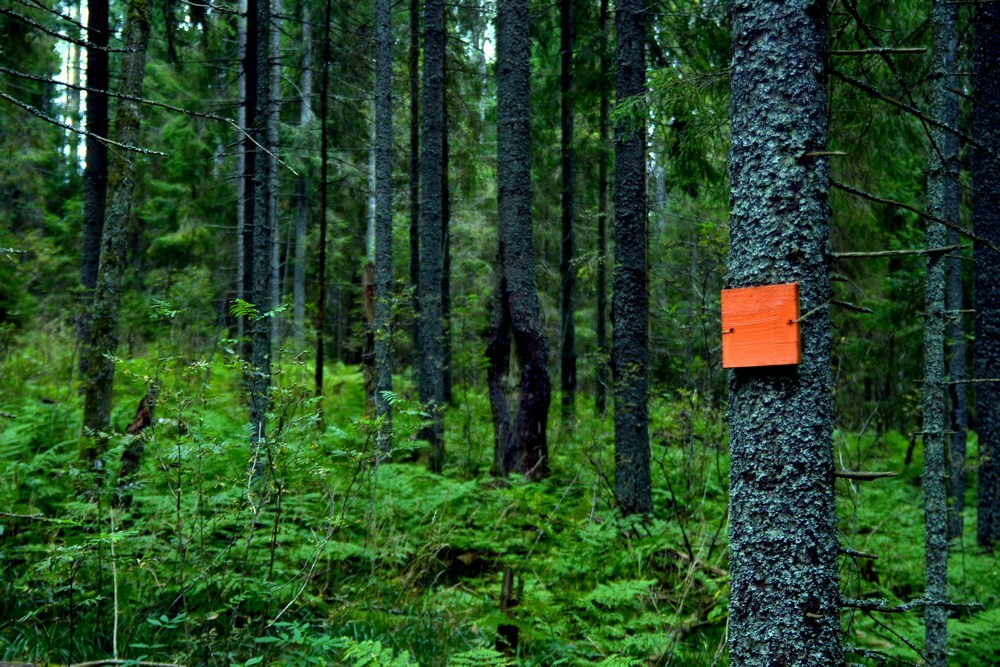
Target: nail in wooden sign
x=760 y=326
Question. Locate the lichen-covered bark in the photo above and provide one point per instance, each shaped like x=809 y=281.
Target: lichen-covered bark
x=986 y=224
x=414 y=71
x=630 y=300
x=567 y=272
x=108 y=290
x=383 y=218
x=95 y=174
x=942 y=202
x=601 y=328
x=784 y=600
x=520 y=400
x=430 y=376
x=260 y=334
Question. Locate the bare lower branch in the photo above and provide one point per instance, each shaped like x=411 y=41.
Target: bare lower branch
x=141 y=100
x=894 y=253
x=104 y=140
x=862 y=476
x=913 y=209
x=58 y=35
x=846 y=305
x=878 y=50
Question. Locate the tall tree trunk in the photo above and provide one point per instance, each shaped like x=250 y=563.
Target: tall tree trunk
x=986 y=224
x=630 y=302
x=75 y=72
x=302 y=198
x=95 y=174
x=446 y=244
x=383 y=220
x=274 y=71
x=785 y=599
x=107 y=296
x=414 y=68
x=520 y=389
x=431 y=340
x=260 y=335
x=251 y=77
x=567 y=271
x=323 y=185
x=942 y=202
x=601 y=384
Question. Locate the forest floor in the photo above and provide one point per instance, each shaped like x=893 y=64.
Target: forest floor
x=352 y=557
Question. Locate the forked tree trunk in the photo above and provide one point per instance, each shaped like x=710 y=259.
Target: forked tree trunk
x=630 y=302
x=785 y=593
x=107 y=296
x=520 y=389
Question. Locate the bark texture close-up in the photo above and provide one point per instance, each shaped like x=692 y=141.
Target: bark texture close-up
x=785 y=593
x=630 y=299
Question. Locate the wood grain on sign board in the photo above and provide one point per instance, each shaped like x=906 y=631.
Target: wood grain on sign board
x=760 y=326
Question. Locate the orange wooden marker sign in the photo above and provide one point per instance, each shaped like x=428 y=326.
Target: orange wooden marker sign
x=760 y=326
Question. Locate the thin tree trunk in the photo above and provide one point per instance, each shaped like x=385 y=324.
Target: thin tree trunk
x=567 y=271
x=323 y=184
x=986 y=225
x=601 y=384
x=785 y=593
x=251 y=77
x=942 y=202
x=274 y=71
x=302 y=198
x=75 y=72
x=107 y=297
x=630 y=302
x=431 y=341
x=383 y=221
x=95 y=174
x=414 y=66
x=446 y=244
x=520 y=412
x=260 y=350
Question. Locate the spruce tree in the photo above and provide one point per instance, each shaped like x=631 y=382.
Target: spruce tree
x=785 y=594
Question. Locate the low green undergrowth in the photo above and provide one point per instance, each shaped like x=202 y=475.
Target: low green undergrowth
x=351 y=556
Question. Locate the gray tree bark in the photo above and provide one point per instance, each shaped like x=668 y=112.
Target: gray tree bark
x=517 y=352
x=986 y=224
x=942 y=202
x=567 y=272
x=95 y=174
x=602 y=380
x=785 y=595
x=262 y=231
x=383 y=220
x=414 y=71
x=431 y=334
x=274 y=71
x=630 y=300
x=107 y=296
x=324 y=149
x=302 y=195
x=242 y=23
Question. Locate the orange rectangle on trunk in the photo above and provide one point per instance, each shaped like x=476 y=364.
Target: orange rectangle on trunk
x=760 y=326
